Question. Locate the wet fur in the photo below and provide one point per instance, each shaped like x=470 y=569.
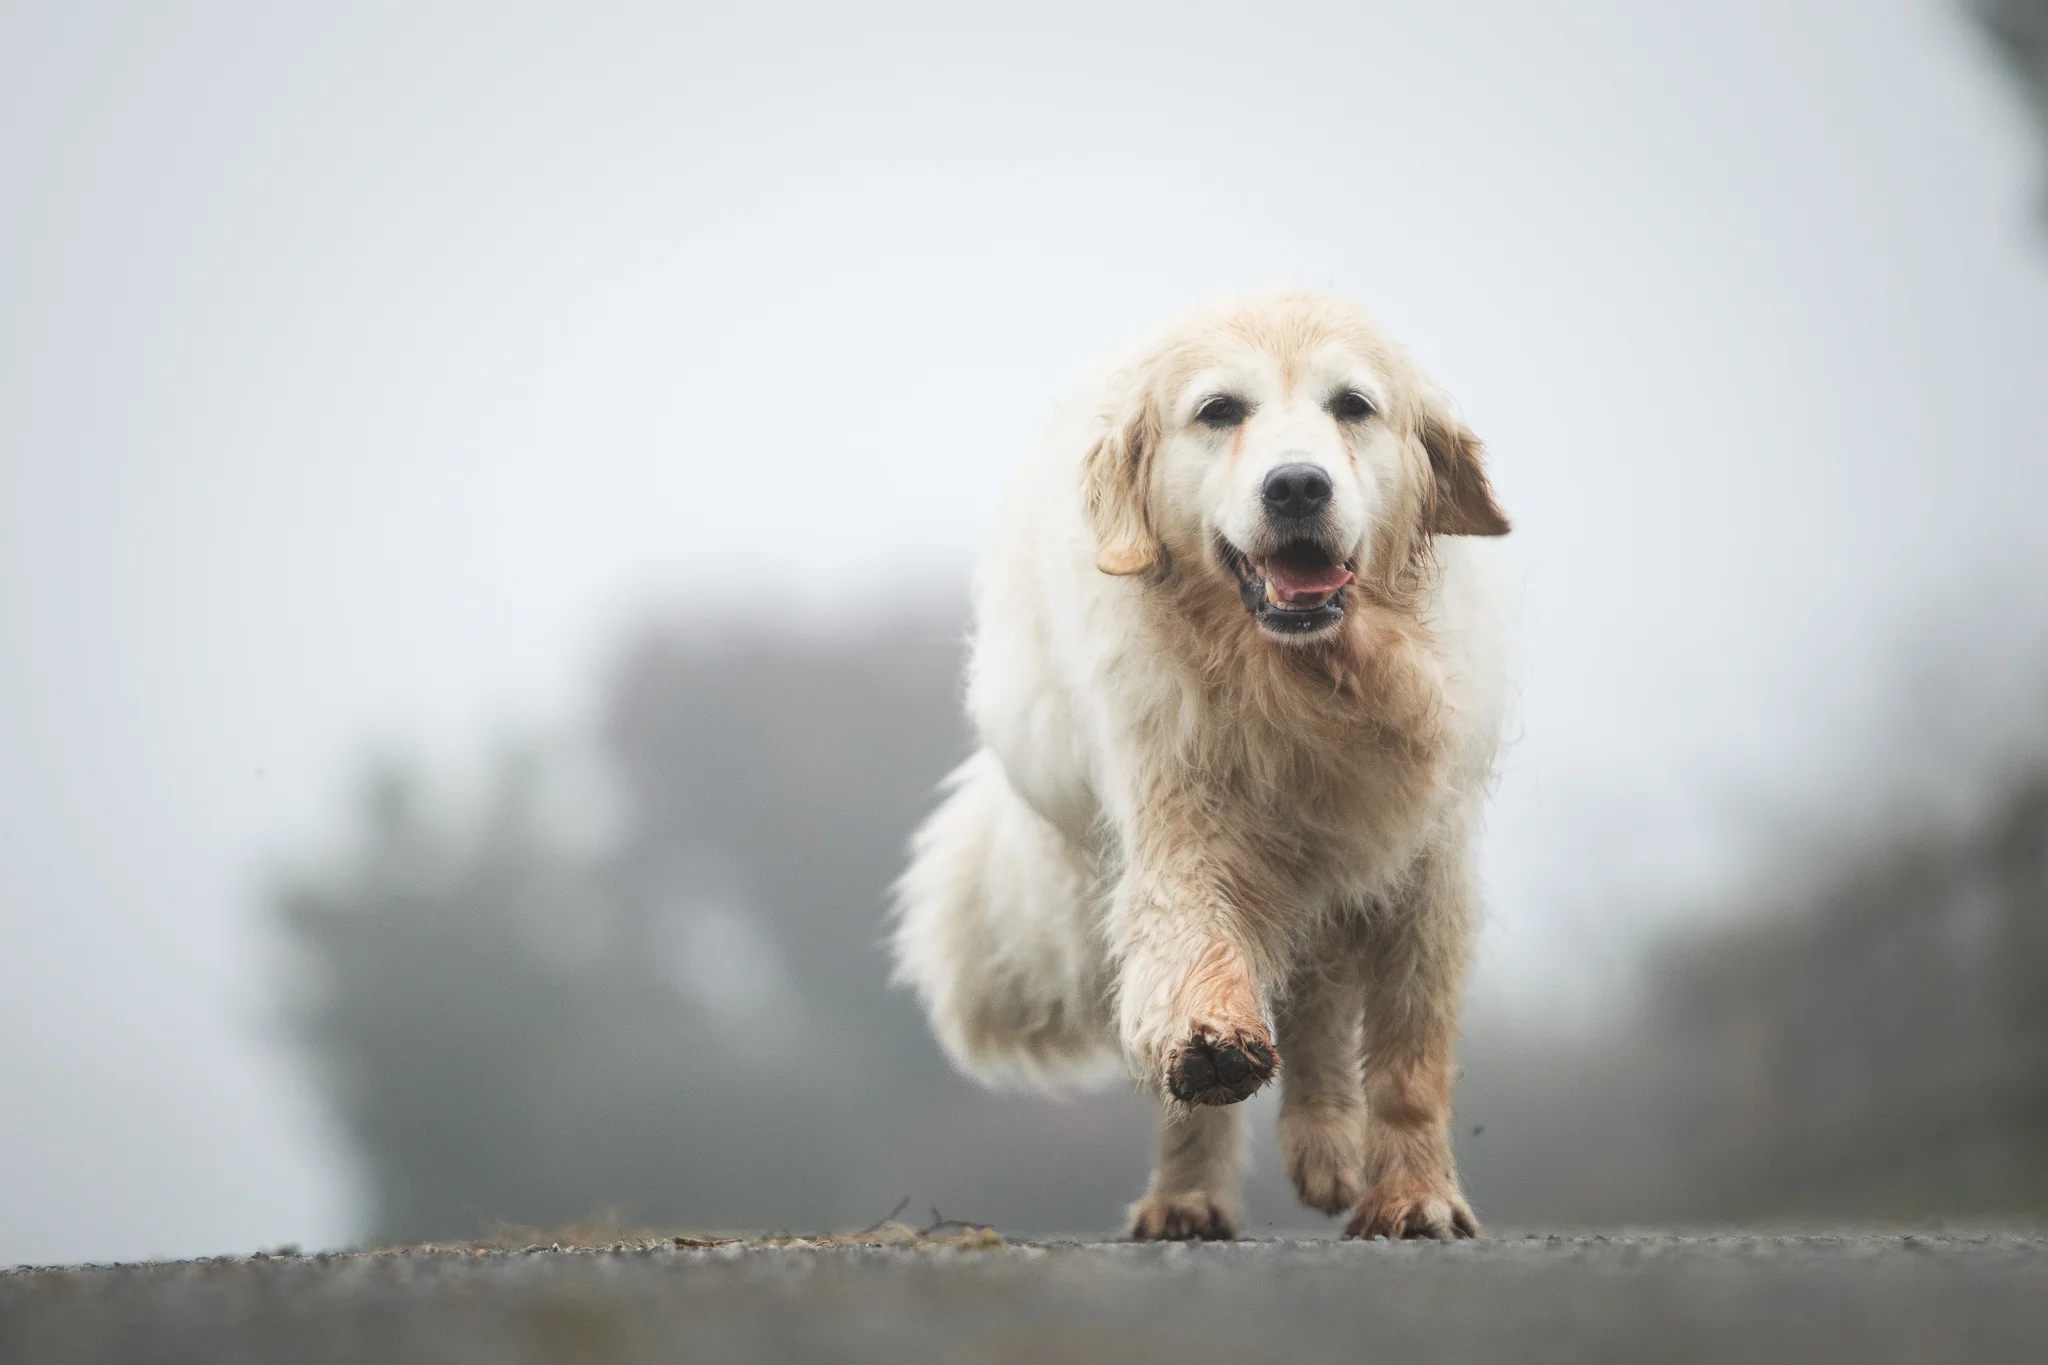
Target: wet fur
x=1187 y=838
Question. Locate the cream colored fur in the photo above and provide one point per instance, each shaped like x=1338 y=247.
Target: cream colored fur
x=1187 y=838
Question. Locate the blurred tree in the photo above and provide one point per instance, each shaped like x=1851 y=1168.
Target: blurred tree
x=1873 y=1042
x=779 y=778
x=491 y=1064
x=1879 y=1045
x=2019 y=30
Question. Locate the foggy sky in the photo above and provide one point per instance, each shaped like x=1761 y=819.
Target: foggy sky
x=365 y=370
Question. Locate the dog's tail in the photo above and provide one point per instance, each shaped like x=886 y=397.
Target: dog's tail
x=996 y=932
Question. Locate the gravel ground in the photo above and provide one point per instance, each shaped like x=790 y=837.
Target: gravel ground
x=1515 y=1297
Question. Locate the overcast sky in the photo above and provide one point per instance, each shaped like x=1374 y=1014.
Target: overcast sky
x=364 y=370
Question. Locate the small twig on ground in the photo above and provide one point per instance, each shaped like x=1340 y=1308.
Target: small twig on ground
x=938 y=1222
x=888 y=1217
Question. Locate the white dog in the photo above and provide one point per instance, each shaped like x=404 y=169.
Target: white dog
x=1239 y=692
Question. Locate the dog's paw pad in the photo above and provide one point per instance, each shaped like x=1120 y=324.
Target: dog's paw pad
x=1180 y=1218
x=1441 y=1218
x=1212 y=1070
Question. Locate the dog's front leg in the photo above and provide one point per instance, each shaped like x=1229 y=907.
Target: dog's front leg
x=1192 y=974
x=1197 y=1177
x=1322 y=1109
x=1414 y=968
x=1194 y=1025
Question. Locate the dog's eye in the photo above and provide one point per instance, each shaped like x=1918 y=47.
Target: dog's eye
x=1351 y=406
x=1220 y=411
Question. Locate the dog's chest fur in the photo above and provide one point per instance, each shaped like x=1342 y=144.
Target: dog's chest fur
x=1331 y=763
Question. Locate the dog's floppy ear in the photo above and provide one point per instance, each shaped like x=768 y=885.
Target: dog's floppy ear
x=1462 y=500
x=1118 y=472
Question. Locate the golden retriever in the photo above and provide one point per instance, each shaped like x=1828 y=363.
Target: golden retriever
x=1238 y=686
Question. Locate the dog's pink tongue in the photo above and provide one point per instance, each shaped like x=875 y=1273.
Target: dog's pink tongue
x=1296 y=583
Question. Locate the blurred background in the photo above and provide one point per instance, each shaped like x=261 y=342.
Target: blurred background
x=487 y=494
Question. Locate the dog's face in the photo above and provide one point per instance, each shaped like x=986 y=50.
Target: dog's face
x=1283 y=449
x=1283 y=467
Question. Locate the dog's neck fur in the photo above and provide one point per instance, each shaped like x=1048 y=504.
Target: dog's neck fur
x=1374 y=680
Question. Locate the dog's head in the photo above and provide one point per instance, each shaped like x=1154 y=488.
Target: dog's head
x=1281 y=446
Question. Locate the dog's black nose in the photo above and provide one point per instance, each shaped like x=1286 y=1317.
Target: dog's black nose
x=1296 y=490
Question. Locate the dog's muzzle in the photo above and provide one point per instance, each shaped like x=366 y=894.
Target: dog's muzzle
x=1297 y=589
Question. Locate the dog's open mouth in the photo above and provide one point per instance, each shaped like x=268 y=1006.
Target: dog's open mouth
x=1297 y=589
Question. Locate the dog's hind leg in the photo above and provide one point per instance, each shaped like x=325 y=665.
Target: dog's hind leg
x=1196 y=1185
x=996 y=932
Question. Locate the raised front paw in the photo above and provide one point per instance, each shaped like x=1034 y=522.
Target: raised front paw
x=1219 y=1068
x=1413 y=1214
x=1181 y=1218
